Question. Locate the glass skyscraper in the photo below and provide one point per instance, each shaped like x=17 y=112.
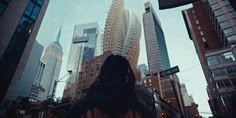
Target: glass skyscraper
x=86 y=44
x=157 y=54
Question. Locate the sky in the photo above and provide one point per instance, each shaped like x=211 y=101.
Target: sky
x=68 y=13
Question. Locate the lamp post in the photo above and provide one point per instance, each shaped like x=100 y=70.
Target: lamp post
x=58 y=80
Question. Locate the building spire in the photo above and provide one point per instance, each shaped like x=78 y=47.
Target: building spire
x=58 y=35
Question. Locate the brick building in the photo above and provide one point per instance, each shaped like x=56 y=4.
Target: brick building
x=212 y=27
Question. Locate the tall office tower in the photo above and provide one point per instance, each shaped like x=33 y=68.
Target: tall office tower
x=30 y=71
x=52 y=58
x=143 y=68
x=19 y=22
x=211 y=26
x=157 y=54
x=122 y=32
x=86 y=43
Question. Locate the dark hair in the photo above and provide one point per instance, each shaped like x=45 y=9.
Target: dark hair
x=116 y=68
x=114 y=90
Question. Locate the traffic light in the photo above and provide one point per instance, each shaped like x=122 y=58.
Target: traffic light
x=196 y=115
x=163 y=115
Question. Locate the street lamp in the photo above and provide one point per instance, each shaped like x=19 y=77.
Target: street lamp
x=58 y=80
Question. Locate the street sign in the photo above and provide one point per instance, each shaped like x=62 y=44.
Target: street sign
x=169 y=71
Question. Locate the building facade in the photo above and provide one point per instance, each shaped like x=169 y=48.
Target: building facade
x=143 y=68
x=122 y=32
x=37 y=89
x=86 y=43
x=211 y=26
x=30 y=71
x=53 y=59
x=157 y=54
x=191 y=108
x=89 y=71
x=18 y=31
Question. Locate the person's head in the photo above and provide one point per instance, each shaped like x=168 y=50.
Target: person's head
x=117 y=69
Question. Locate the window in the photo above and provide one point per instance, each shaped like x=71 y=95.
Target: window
x=218 y=72
x=227 y=83
x=220 y=84
x=228 y=7
x=223 y=24
x=2 y=7
x=203 y=39
x=199 y=28
x=215 y=5
x=218 y=11
x=201 y=32
x=232 y=13
x=232 y=37
x=220 y=17
x=197 y=22
x=40 y=2
x=233 y=82
x=29 y=8
x=221 y=58
x=35 y=12
x=228 y=30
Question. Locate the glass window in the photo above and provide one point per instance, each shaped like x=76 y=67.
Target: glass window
x=40 y=2
x=29 y=8
x=220 y=84
x=231 y=38
x=35 y=12
x=232 y=13
x=228 y=30
x=215 y=5
x=233 y=81
x=201 y=32
x=2 y=7
x=213 y=60
x=228 y=7
x=227 y=83
x=220 y=17
x=197 y=22
x=199 y=28
x=218 y=11
x=226 y=23
x=219 y=72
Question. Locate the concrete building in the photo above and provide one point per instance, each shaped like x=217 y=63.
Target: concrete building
x=122 y=32
x=143 y=68
x=52 y=59
x=211 y=26
x=157 y=54
x=30 y=71
x=18 y=31
x=86 y=43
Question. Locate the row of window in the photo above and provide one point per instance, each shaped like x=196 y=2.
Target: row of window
x=223 y=71
x=220 y=58
x=226 y=83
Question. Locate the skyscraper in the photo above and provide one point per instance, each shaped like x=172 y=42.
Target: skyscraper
x=157 y=54
x=142 y=68
x=19 y=22
x=52 y=58
x=86 y=43
x=122 y=32
x=30 y=71
x=211 y=26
